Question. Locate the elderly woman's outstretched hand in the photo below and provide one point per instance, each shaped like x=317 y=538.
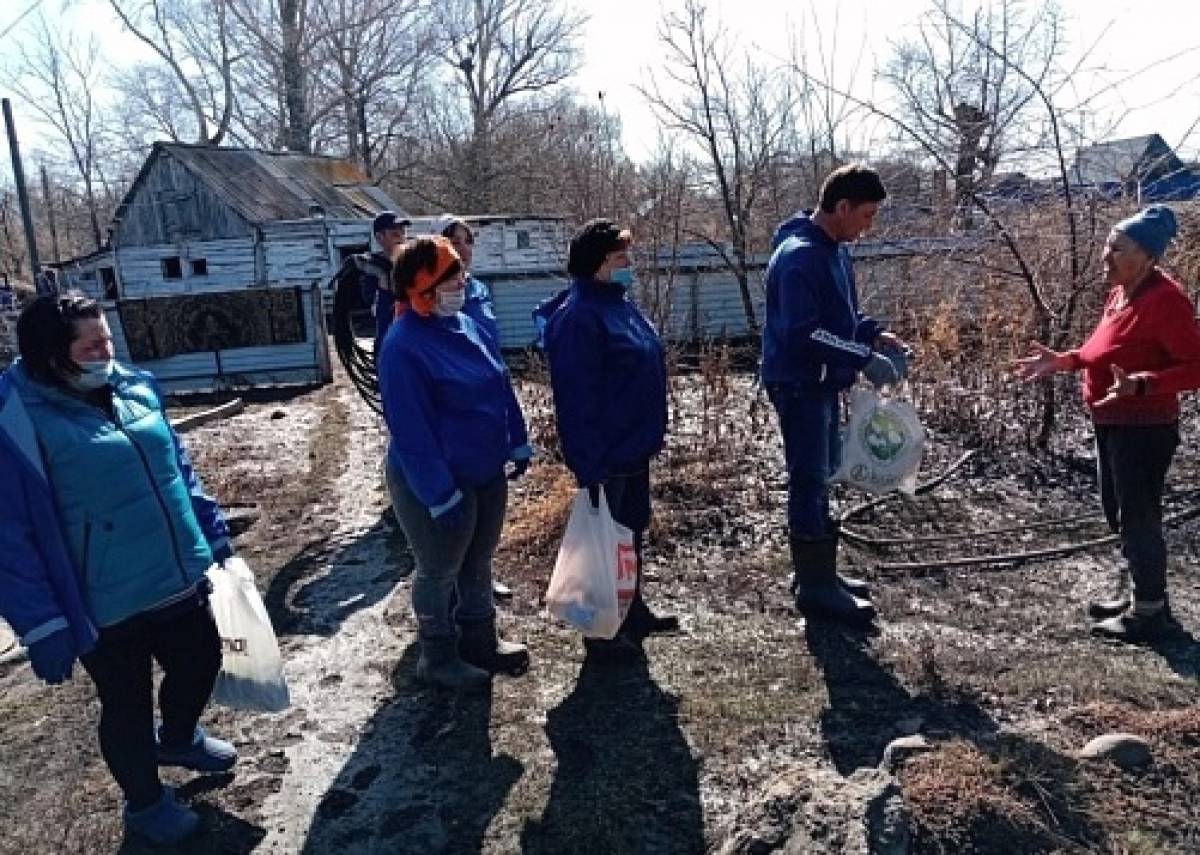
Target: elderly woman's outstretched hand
x=1123 y=385
x=1041 y=362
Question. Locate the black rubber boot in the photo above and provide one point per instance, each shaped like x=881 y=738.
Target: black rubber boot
x=480 y=645
x=817 y=588
x=1117 y=604
x=640 y=622
x=1101 y=609
x=617 y=651
x=440 y=665
x=857 y=587
x=1134 y=628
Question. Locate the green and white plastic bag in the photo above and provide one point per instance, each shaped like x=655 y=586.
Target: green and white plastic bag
x=882 y=444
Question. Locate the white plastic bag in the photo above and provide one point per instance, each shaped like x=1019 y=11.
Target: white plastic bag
x=596 y=571
x=251 y=675
x=881 y=445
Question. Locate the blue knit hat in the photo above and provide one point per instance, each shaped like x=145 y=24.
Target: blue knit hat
x=1151 y=229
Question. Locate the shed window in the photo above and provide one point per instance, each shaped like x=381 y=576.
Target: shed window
x=172 y=268
x=522 y=239
x=108 y=278
x=199 y=266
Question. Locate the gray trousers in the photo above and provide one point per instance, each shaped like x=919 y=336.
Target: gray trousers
x=452 y=582
x=1132 y=463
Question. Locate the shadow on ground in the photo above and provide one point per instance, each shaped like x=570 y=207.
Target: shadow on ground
x=626 y=778
x=423 y=777
x=368 y=567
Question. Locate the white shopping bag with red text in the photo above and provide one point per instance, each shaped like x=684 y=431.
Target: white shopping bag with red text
x=596 y=571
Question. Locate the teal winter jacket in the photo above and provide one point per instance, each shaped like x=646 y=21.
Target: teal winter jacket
x=136 y=527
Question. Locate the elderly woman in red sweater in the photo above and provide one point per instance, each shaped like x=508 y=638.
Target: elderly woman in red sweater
x=1144 y=351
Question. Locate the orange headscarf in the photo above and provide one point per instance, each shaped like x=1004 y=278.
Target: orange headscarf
x=419 y=294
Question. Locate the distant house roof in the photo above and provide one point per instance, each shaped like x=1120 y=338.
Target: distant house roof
x=1144 y=166
x=1141 y=158
x=267 y=186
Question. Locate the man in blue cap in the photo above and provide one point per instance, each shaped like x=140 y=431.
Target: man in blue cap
x=390 y=231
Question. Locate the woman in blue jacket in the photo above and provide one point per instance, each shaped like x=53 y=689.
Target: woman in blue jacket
x=609 y=378
x=478 y=297
x=105 y=538
x=454 y=422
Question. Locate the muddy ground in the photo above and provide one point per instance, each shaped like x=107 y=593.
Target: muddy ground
x=995 y=665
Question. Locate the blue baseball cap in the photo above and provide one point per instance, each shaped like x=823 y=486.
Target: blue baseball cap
x=385 y=220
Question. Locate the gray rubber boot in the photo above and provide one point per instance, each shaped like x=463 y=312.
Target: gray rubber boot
x=440 y=665
x=480 y=645
x=817 y=588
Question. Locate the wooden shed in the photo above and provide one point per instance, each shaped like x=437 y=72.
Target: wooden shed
x=199 y=228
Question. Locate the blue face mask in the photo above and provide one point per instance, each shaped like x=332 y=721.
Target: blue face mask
x=622 y=276
x=92 y=375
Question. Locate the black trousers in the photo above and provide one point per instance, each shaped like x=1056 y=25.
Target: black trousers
x=628 y=497
x=188 y=649
x=1133 y=461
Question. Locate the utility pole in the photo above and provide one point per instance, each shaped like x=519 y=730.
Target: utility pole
x=14 y=150
x=46 y=200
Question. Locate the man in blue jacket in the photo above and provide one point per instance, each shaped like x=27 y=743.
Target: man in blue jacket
x=375 y=271
x=815 y=343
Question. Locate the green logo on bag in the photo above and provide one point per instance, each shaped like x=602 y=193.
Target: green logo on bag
x=884 y=435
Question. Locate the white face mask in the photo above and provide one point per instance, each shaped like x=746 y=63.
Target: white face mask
x=93 y=374
x=450 y=303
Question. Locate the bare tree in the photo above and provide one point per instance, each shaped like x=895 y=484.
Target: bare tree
x=959 y=89
x=738 y=113
x=12 y=246
x=60 y=79
x=375 y=57
x=500 y=50
x=192 y=39
x=278 y=101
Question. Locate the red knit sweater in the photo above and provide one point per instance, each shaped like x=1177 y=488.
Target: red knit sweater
x=1156 y=335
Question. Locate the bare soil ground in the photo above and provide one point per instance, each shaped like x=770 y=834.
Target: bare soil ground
x=993 y=665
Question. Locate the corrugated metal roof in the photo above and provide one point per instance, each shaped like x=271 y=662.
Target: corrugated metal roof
x=265 y=186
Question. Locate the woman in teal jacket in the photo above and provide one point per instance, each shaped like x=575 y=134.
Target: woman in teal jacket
x=105 y=539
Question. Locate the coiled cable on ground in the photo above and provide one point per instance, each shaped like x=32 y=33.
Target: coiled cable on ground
x=358 y=361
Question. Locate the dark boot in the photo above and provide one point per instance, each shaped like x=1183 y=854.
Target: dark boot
x=1133 y=627
x=640 y=622
x=817 y=589
x=1117 y=604
x=857 y=587
x=440 y=665
x=1101 y=609
x=617 y=651
x=480 y=645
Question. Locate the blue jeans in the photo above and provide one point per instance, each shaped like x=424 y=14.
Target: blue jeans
x=1132 y=463
x=812 y=446
x=454 y=565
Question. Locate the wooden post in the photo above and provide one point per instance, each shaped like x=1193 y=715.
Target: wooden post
x=14 y=150
x=50 y=216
